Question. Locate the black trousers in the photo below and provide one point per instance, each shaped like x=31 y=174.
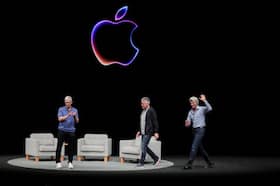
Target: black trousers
x=68 y=137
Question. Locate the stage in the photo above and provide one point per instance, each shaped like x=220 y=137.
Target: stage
x=227 y=168
x=88 y=165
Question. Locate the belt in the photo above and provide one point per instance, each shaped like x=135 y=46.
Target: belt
x=199 y=127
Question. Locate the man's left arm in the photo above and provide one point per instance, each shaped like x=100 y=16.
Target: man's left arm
x=155 y=123
x=208 y=106
x=76 y=116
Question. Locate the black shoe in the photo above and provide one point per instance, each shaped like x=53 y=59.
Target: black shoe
x=140 y=165
x=188 y=166
x=210 y=165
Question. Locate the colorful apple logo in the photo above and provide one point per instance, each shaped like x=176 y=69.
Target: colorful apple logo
x=117 y=23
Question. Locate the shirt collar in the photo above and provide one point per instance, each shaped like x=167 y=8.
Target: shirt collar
x=197 y=108
x=146 y=109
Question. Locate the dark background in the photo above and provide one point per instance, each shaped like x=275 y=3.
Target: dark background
x=225 y=51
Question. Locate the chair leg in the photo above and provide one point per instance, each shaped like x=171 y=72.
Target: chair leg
x=122 y=159
x=27 y=157
x=105 y=159
x=36 y=158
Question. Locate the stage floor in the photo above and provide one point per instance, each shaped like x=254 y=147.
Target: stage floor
x=88 y=165
x=229 y=168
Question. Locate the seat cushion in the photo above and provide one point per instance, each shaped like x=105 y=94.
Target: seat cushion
x=47 y=148
x=93 y=148
x=131 y=150
x=46 y=142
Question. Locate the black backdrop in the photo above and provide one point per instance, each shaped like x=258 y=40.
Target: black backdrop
x=222 y=50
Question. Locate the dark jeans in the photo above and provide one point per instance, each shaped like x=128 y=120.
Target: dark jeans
x=69 y=137
x=145 y=149
x=198 y=135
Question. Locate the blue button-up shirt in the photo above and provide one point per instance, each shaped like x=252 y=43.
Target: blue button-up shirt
x=197 y=116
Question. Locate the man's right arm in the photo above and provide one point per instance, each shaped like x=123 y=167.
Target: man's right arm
x=61 y=118
x=188 y=120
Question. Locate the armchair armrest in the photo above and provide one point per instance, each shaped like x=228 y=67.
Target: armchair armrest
x=81 y=141
x=109 y=146
x=125 y=143
x=155 y=145
x=32 y=147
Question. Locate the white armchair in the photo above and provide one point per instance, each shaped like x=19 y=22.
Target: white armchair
x=94 y=145
x=131 y=149
x=41 y=144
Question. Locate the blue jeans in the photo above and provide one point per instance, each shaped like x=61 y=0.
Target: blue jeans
x=198 y=135
x=145 y=149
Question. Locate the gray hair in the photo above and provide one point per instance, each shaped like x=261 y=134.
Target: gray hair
x=68 y=98
x=194 y=99
x=147 y=99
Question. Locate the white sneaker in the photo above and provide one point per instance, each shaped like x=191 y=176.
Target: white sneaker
x=58 y=165
x=156 y=163
x=70 y=166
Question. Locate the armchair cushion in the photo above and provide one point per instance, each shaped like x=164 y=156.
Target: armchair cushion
x=97 y=148
x=131 y=150
x=47 y=148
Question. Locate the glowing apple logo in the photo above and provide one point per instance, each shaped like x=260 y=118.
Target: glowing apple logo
x=117 y=23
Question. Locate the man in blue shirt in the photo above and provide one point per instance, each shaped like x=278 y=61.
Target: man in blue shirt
x=196 y=118
x=67 y=117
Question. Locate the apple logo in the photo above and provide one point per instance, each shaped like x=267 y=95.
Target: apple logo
x=119 y=23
